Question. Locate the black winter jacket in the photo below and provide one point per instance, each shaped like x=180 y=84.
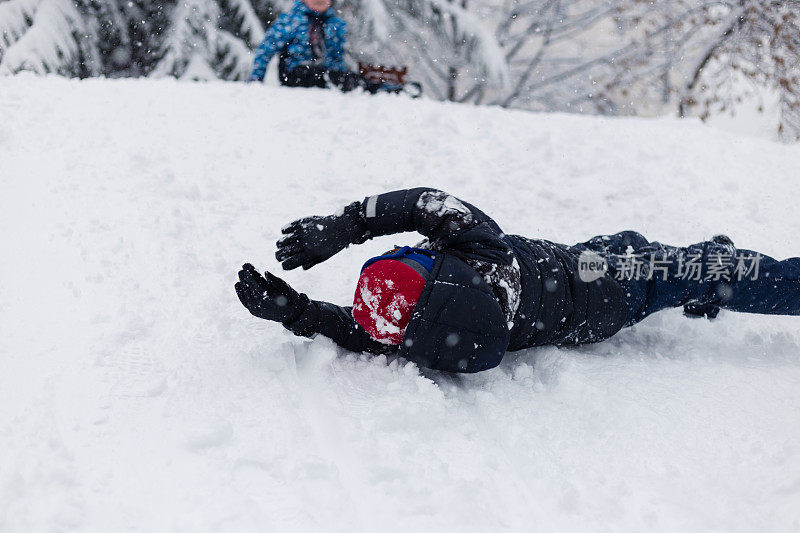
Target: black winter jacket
x=489 y=292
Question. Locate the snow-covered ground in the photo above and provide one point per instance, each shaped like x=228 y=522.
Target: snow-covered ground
x=136 y=394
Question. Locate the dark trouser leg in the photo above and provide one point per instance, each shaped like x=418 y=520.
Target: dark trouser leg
x=706 y=272
x=774 y=291
x=317 y=76
x=304 y=76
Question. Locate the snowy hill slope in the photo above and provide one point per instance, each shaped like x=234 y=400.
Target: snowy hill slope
x=137 y=394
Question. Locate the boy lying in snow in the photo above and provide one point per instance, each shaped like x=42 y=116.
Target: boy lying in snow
x=469 y=293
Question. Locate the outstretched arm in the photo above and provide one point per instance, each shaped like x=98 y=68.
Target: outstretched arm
x=336 y=323
x=271 y=298
x=439 y=216
x=274 y=40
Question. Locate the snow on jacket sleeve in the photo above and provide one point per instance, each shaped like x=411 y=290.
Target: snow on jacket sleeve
x=449 y=223
x=274 y=40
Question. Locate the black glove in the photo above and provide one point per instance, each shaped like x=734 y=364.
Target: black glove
x=269 y=298
x=372 y=87
x=699 y=310
x=312 y=240
x=346 y=81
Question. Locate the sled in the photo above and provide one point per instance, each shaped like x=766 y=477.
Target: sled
x=393 y=78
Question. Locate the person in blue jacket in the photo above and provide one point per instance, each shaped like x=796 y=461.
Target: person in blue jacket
x=468 y=293
x=310 y=41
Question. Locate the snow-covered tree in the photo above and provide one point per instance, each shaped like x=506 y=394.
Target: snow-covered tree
x=127 y=33
x=760 y=40
x=210 y=39
x=703 y=55
x=47 y=36
x=557 y=51
x=649 y=56
x=79 y=38
x=537 y=54
x=446 y=43
x=192 y=38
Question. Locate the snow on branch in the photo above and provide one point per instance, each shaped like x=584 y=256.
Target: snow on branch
x=251 y=26
x=490 y=56
x=196 y=46
x=46 y=36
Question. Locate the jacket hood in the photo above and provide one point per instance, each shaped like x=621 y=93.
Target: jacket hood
x=457 y=324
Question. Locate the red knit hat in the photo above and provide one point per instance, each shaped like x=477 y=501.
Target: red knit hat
x=386 y=294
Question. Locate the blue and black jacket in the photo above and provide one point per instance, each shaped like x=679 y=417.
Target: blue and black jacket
x=459 y=323
x=289 y=36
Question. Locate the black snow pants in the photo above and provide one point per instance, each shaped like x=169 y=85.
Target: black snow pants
x=318 y=76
